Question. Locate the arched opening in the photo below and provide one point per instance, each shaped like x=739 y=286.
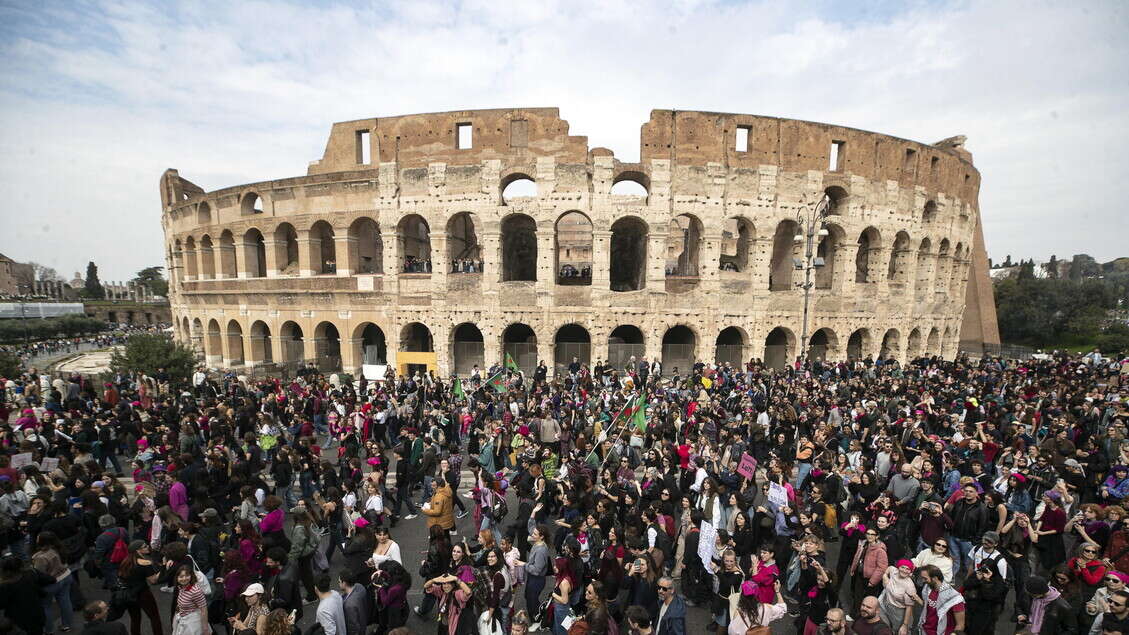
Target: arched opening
x=785 y=254
x=207 y=258
x=858 y=344
x=519 y=342
x=468 y=349
x=517 y=186
x=923 y=274
x=214 y=343
x=779 y=347
x=367 y=246
x=899 y=269
x=519 y=248
x=683 y=246
x=729 y=348
x=324 y=248
x=866 y=260
x=235 y=344
x=628 y=264
x=185 y=330
x=933 y=343
x=191 y=258
x=891 y=345
x=822 y=345
x=680 y=349
x=254 y=254
x=463 y=249
x=929 y=212
x=286 y=249
x=913 y=345
x=736 y=241
x=827 y=252
x=374 y=346
x=204 y=213
x=252 y=203
x=414 y=237
x=947 y=341
x=944 y=262
x=956 y=273
x=631 y=183
x=625 y=342
x=197 y=335
x=293 y=347
x=327 y=346
x=836 y=200
x=573 y=234
x=227 y=254
x=571 y=342
x=416 y=338
x=261 y=349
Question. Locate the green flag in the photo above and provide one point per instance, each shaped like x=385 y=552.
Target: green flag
x=639 y=417
x=511 y=365
x=497 y=382
x=459 y=389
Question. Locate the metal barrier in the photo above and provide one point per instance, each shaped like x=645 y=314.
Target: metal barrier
x=619 y=353
x=467 y=354
x=680 y=356
x=563 y=352
x=524 y=354
x=733 y=354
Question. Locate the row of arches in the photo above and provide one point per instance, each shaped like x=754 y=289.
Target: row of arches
x=864 y=258
x=225 y=343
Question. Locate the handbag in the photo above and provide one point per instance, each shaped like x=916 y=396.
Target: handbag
x=201 y=579
x=123 y=595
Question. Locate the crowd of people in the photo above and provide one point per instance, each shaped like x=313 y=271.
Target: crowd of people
x=868 y=496
x=66 y=345
x=413 y=264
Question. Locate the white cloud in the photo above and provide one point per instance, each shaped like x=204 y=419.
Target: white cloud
x=96 y=101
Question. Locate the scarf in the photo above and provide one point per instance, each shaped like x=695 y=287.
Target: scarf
x=947 y=598
x=1039 y=608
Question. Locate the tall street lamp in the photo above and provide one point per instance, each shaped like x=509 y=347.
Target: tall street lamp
x=813 y=227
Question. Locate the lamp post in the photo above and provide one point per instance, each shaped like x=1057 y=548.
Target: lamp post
x=813 y=227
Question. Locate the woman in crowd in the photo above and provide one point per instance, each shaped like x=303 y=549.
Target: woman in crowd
x=753 y=616
x=135 y=575
x=47 y=561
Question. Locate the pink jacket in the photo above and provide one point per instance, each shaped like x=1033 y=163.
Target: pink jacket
x=873 y=559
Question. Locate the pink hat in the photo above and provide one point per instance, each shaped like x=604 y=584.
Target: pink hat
x=748 y=587
x=360 y=522
x=905 y=563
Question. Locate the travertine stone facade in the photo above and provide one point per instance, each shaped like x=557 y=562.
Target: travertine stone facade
x=403 y=245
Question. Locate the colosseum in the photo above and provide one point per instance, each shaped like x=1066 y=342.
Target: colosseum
x=444 y=241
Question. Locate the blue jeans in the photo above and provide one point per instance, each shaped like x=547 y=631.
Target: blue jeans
x=60 y=592
x=804 y=469
x=534 y=585
x=962 y=554
x=285 y=491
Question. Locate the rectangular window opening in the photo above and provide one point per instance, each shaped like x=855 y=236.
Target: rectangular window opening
x=742 y=139
x=911 y=159
x=464 y=136
x=364 y=148
x=933 y=163
x=836 y=159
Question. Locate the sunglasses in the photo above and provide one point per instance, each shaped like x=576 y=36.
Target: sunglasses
x=665 y=588
x=1113 y=579
x=942 y=544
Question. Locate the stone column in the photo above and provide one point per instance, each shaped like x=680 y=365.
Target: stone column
x=274 y=265
x=879 y=266
x=244 y=253
x=760 y=263
x=439 y=264
x=225 y=255
x=546 y=276
x=599 y=346
x=601 y=262
x=491 y=260
x=850 y=252
x=352 y=357
x=345 y=250
x=276 y=351
x=545 y=353
x=656 y=262
x=391 y=259
x=709 y=263
x=309 y=253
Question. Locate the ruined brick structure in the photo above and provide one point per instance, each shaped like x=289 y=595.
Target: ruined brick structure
x=404 y=244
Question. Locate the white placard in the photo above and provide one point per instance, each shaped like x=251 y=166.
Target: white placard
x=374 y=372
x=48 y=464
x=707 y=543
x=777 y=495
x=20 y=460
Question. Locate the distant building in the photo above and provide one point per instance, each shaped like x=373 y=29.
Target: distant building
x=15 y=277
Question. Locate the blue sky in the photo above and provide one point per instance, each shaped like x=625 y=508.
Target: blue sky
x=98 y=98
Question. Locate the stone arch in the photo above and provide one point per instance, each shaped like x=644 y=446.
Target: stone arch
x=573 y=235
x=261 y=349
x=286 y=249
x=684 y=246
x=413 y=238
x=900 y=269
x=207 y=258
x=679 y=349
x=254 y=253
x=327 y=346
x=519 y=341
x=943 y=266
x=731 y=346
x=891 y=345
x=191 y=258
x=779 y=347
x=415 y=337
x=829 y=251
x=631 y=183
x=929 y=212
x=235 y=355
x=463 y=248
x=227 y=266
x=251 y=203
x=858 y=344
x=866 y=260
x=923 y=274
x=914 y=345
x=823 y=345
x=185 y=329
x=624 y=342
x=293 y=342
x=369 y=344
x=325 y=252
x=366 y=246
x=571 y=340
x=213 y=343
x=956 y=275
x=203 y=213
x=628 y=254
x=468 y=349
x=837 y=200
x=933 y=342
x=519 y=248
x=517 y=185
x=737 y=238
x=784 y=250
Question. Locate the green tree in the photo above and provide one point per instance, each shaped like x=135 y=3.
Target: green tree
x=93 y=288
x=9 y=365
x=1026 y=269
x=147 y=353
x=1052 y=268
x=151 y=277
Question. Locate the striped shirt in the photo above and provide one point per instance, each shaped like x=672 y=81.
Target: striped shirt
x=190 y=599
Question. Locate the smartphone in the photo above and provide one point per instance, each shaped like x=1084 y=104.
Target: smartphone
x=293 y=615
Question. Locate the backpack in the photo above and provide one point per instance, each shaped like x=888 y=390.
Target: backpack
x=498 y=507
x=120 y=550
